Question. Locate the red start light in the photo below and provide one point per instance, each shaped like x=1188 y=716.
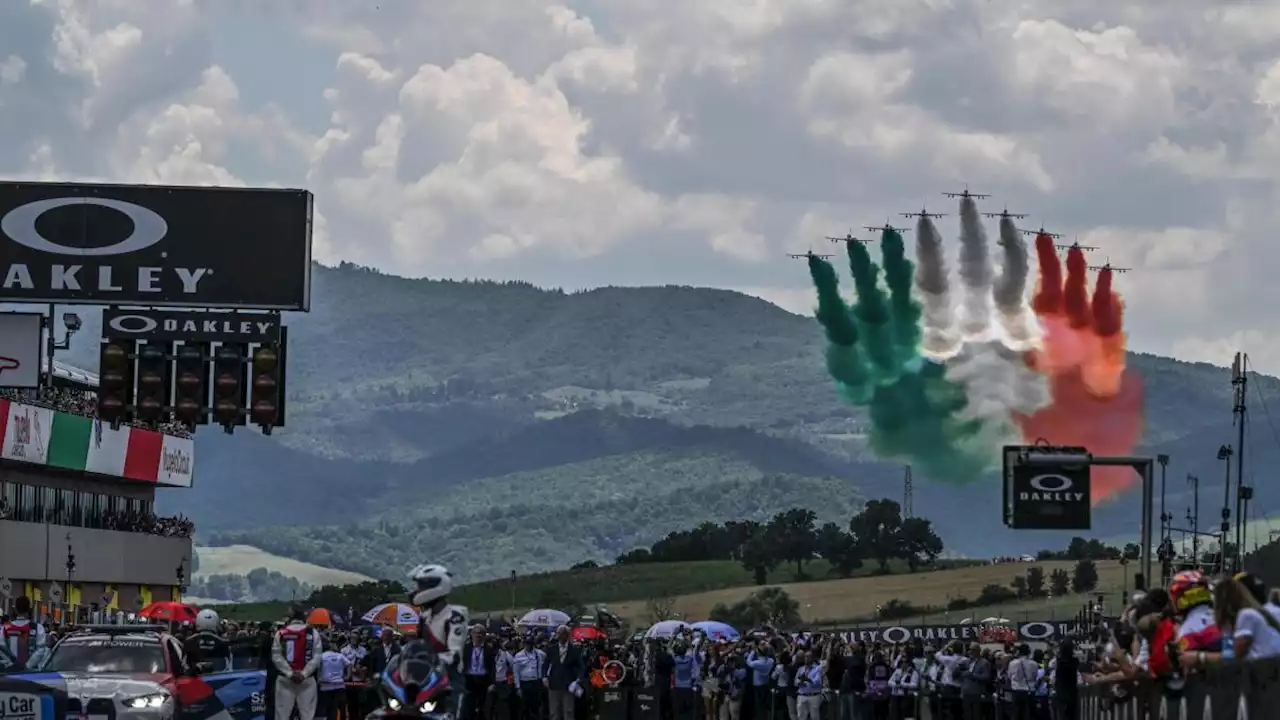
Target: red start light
x=264 y=384
x=149 y=405
x=264 y=412
x=112 y=378
x=189 y=382
x=150 y=380
x=227 y=383
x=111 y=404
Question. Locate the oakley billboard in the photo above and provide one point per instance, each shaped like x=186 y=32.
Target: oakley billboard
x=155 y=246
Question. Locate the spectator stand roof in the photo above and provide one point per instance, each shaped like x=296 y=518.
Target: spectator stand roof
x=69 y=375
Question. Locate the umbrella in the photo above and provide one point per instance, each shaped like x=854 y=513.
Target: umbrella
x=583 y=633
x=396 y=615
x=716 y=630
x=543 y=617
x=320 y=618
x=169 y=610
x=666 y=629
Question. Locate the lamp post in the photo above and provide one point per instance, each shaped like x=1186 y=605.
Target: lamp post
x=71 y=568
x=1224 y=454
x=71 y=325
x=180 y=572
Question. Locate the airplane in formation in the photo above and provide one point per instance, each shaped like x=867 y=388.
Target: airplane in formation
x=886 y=228
x=1005 y=215
x=966 y=194
x=1041 y=231
x=1075 y=246
x=848 y=239
x=923 y=214
x=810 y=255
x=1099 y=268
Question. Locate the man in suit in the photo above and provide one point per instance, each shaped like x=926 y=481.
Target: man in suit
x=382 y=654
x=479 y=661
x=565 y=667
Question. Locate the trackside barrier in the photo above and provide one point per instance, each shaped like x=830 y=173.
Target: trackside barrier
x=1238 y=691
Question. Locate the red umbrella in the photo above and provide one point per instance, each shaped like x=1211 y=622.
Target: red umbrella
x=586 y=632
x=170 y=611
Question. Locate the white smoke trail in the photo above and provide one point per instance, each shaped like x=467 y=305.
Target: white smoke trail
x=1010 y=289
x=995 y=377
x=940 y=337
x=997 y=383
x=976 y=274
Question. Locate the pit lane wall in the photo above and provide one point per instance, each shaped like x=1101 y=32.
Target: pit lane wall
x=50 y=438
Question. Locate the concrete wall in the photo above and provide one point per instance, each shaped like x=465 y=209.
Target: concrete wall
x=36 y=551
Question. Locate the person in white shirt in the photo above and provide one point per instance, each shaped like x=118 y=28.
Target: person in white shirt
x=948 y=684
x=809 y=688
x=334 y=668
x=1023 y=675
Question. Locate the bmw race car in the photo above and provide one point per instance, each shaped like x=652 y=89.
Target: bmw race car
x=140 y=673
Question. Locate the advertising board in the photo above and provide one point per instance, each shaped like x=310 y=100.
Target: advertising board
x=1042 y=496
x=73 y=243
x=191 y=325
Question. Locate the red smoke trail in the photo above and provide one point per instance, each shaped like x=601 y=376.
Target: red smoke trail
x=1048 y=297
x=1097 y=403
x=1075 y=295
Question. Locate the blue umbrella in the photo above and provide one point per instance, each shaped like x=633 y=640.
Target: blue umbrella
x=716 y=630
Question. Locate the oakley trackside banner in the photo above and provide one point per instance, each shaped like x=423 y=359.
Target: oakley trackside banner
x=145 y=245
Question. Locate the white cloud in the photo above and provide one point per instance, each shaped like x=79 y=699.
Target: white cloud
x=538 y=139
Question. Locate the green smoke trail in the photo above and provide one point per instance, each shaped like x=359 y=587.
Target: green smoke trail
x=898 y=274
x=844 y=360
x=915 y=412
x=872 y=313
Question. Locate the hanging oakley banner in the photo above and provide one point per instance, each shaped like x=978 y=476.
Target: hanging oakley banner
x=70 y=243
x=939 y=635
x=1040 y=496
x=191 y=326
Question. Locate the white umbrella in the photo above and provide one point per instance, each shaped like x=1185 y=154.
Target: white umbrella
x=543 y=617
x=666 y=628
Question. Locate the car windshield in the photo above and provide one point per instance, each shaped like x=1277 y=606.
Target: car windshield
x=117 y=655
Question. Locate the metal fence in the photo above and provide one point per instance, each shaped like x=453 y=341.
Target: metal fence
x=1238 y=691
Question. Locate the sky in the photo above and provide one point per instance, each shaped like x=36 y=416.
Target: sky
x=633 y=142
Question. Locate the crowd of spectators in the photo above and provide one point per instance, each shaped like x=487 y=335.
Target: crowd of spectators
x=79 y=402
x=172 y=526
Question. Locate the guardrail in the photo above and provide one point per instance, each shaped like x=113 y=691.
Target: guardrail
x=1236 y=691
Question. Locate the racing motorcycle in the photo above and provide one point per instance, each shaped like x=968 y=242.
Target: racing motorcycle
x=414 y=686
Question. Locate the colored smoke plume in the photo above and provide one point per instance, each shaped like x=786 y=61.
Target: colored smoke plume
x=1096 y=403
x=1009 y=291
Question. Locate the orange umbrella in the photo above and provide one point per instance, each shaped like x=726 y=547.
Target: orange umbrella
x=320 y=618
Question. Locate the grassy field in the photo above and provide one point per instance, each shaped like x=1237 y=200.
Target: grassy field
x=241 y=559
x=855 y=599
x=631 y=585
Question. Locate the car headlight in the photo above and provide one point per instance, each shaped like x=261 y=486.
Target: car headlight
x=393 y=703
x=147 y=702
x=427 y=707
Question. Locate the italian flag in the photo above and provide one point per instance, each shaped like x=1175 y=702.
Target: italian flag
x=75 y=442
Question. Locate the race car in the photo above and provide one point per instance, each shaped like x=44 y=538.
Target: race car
x=125 y=671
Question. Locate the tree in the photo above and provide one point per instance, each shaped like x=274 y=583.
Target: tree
x=792 y=532
x=758 y=556
x=1035 y=581
x=769 y=606
x=918 y=542
x=639 y=556
x=1132 y=551
x=838 y=548
x=1060 y=582
x=1085 y=577
x=878 y=530
x=585 y=565
x=1019 y=586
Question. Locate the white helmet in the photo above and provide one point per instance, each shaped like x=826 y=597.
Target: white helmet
x=430 y=583
x=207 y=620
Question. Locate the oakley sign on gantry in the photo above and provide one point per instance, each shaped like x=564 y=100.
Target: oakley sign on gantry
x=155 y=246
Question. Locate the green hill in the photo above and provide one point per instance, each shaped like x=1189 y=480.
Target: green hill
x=408 y=396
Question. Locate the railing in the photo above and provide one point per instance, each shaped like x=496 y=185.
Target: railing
x=1236 y=691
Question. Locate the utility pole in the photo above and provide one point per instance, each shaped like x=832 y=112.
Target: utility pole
x=1194 y=518
x=907 y=510
x=1166 y=535
x=1224 y=454
x=1239 y=386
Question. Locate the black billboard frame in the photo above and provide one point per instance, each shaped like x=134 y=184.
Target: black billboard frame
x=255 y=219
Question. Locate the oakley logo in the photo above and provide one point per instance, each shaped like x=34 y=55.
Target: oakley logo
x=133 y=324
x=1051 y=483
x=20 y=225
x=1036 y=631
